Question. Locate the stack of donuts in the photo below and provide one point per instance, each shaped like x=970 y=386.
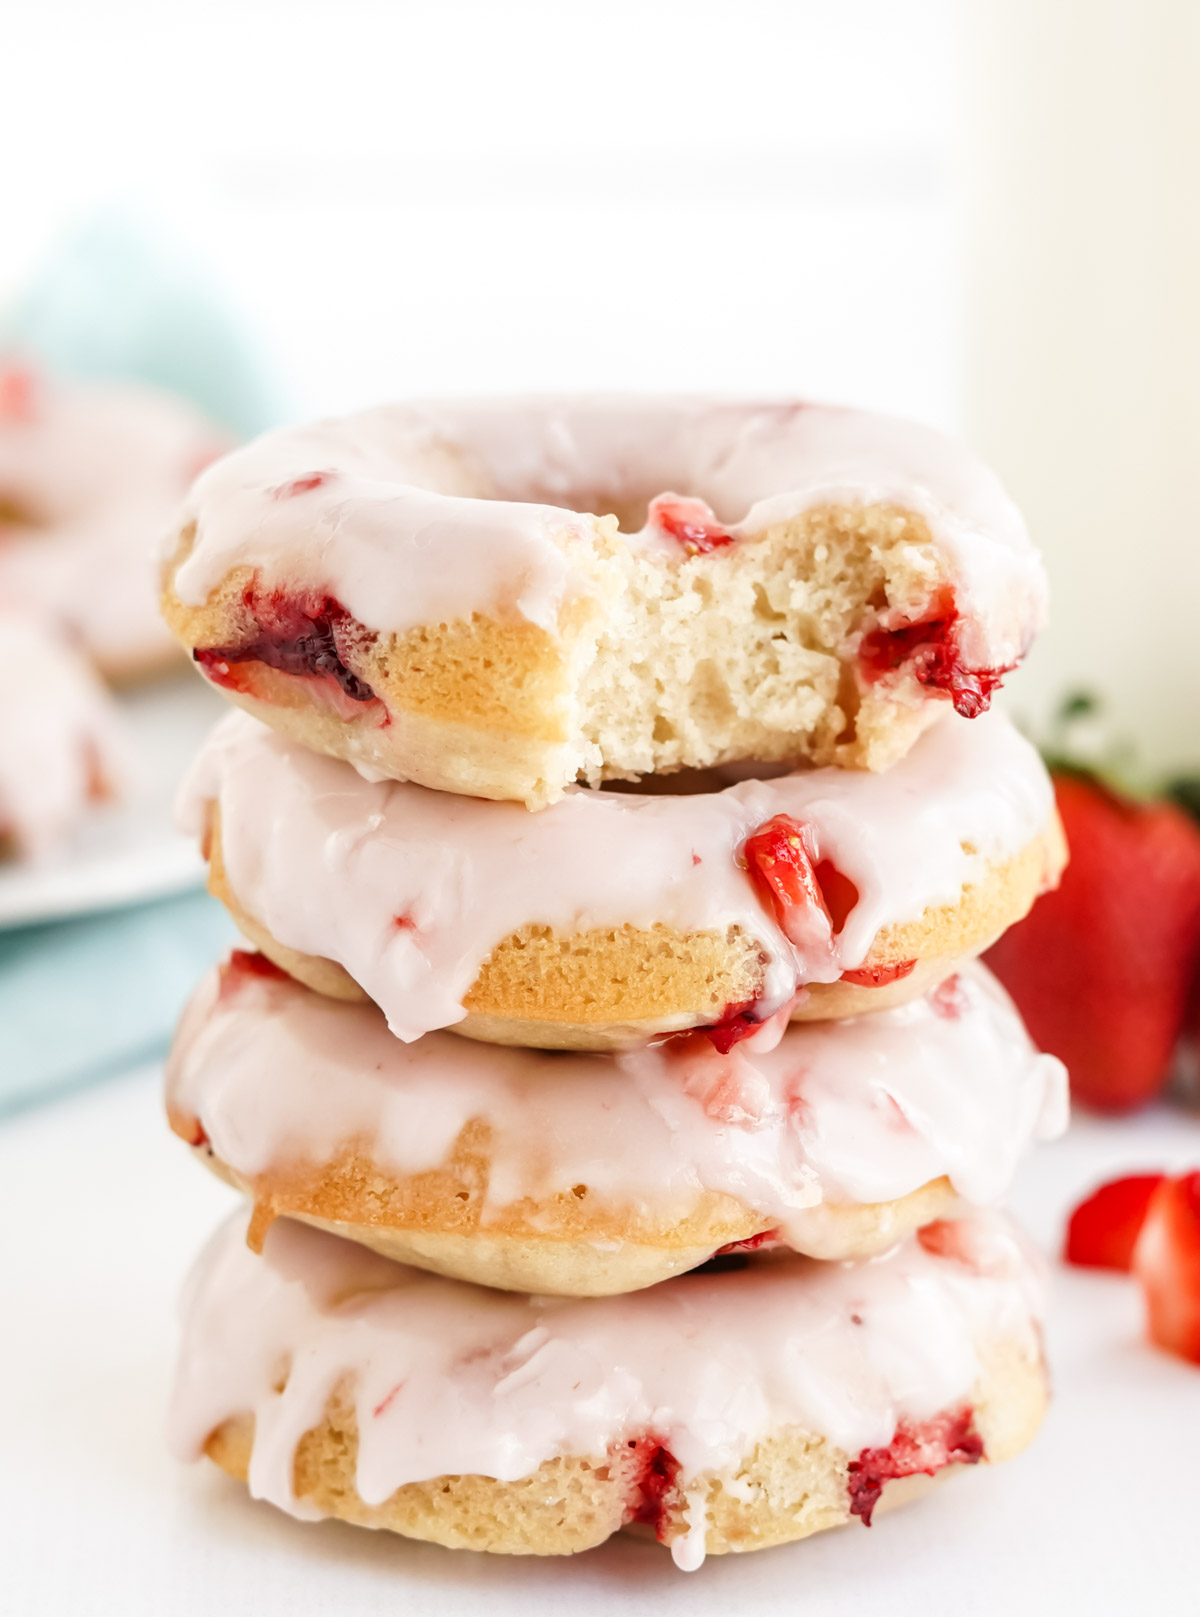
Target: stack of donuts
x=614 y=813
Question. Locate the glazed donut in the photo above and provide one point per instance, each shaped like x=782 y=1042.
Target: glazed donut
x=726 y=1411
x=61 y=747
x=593 y=1174
x=90 y=476
x=612 y=917
x=422 y=589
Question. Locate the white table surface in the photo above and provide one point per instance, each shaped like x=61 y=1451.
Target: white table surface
x=103 y=1211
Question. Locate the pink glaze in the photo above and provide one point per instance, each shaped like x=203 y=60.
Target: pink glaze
x=858 y=1111
x=327 y=861
x=61 y=749
x=441 y=510
x=99 y=469
x=452 y=1379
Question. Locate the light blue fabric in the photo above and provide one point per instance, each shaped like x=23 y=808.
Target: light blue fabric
x=119 y=300
x=87 y=999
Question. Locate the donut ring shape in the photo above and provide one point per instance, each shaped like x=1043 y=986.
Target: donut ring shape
x=593 y=1174
x=62 y=751
x=91 y=474
x=339 y=1384
x=424 y=590
x=612 y=918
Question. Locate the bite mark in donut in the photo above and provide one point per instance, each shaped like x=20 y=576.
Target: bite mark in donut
x=918 y=1446
x=691 y=523
x=653 y=1484
x=928 y=650
x=302 y=636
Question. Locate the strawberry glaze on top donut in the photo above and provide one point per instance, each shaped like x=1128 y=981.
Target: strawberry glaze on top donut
x=614 y=916
x=727 y=1411
x=499 y=599
x=90 y=476
x=592 y=1174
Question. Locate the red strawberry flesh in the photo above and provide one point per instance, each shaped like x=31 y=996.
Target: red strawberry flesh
x=880 y=976
x=654 y=1478
x=1103 y=1230
x=300 y=636
x=918 y=1446
x=1100 y=969
x=1166 y=1261
x=928 y=649
x=691 y=523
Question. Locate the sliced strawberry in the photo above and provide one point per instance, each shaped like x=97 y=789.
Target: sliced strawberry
x=1103 y=1230
x=1166 y=1261
x=691 y=523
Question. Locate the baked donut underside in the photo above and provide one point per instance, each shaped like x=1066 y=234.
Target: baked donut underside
x=574 y=1244
x=768 y=649
x=610 y=990
x=792 y=1485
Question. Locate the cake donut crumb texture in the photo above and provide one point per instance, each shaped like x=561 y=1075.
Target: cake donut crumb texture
x=724 y=1411
x=500 y=599
x=613 y=917
x=593 y=1174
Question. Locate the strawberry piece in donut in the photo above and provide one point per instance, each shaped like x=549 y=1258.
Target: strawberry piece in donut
x=531 y=609
x=746 y=1406
x=614 y=917
x=606 y=1173
x=296 y=636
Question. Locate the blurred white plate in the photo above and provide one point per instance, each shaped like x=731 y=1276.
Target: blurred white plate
x=130 y=852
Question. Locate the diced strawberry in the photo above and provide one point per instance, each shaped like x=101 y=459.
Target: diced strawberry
x=654 y=1480
x=779 y=859
x=880 y=976
x=1166 y=1261
x=1100 y=969
x=928 y=650
x=692 y=523
x=918 y=1446
x=243 y=965
x=1103 y=1230
x=301 y=636
x=737 y=1023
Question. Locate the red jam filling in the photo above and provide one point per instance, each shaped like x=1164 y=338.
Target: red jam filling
x=738 y=1023
x=928 y=650
x=880 y=976
x=918 y=1447
x=295 y=635
x=653 y=1480
x=691 y=523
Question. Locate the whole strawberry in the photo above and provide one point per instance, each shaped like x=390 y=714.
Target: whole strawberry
x=1100 y=969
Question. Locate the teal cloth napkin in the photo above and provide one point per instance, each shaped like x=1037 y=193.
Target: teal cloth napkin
x=88 y=999
x=118 y=299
